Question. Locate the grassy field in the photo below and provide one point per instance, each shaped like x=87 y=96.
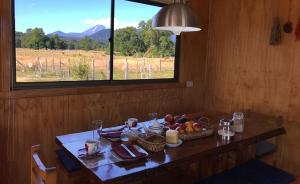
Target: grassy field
x=74 y=65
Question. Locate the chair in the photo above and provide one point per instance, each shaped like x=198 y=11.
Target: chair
x=39 y=173
x=70 y=171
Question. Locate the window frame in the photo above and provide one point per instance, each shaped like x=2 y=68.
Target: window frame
x=92 y=83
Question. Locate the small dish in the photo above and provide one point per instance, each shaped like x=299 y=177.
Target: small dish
x=175 y=145
x=83 y=154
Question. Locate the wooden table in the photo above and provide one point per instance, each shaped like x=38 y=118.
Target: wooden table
x=256 y=129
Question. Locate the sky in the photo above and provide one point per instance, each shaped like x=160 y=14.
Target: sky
x=78 y=16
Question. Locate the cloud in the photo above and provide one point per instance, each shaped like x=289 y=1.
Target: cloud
x=106 y=22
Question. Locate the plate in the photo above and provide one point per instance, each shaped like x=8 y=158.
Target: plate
x=175 y=145
x=131 y=160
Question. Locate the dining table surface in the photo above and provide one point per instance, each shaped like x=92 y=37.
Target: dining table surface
x=108 y=170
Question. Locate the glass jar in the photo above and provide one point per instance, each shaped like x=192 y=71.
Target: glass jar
x=226 y=129
x=238 y=119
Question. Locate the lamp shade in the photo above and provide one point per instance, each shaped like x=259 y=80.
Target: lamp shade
x=176 y=17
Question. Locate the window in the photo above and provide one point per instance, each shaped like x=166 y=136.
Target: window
x=75 y=42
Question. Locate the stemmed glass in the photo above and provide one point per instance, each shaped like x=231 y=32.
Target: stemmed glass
x=153 y=118
x=97 y=127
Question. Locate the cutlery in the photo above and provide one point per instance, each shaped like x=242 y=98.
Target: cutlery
x=125 y=147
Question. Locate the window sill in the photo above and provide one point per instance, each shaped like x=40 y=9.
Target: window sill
x=30 y=93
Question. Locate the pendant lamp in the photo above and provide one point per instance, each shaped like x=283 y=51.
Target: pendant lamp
x=176 y=17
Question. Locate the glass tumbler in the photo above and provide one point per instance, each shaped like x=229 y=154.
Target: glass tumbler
x=238 y=119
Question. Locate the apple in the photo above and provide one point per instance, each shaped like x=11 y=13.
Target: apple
x=189 y=129
x=177 y=124
x=173 y=127
x=189 y=124
x=170 y=123
x=197 y=127
x=183 y=126
x=169 y=118
x=180 y=130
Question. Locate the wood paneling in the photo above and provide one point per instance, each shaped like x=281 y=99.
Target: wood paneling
x=245 y=72
x=30 y=117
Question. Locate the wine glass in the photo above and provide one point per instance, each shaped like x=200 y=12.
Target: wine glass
x=153 y=116
x=97 y=127
x=153 y=119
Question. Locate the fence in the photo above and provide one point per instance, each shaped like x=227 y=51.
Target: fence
x=91 y=66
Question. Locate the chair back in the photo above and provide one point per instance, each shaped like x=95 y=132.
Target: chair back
x=39 y=173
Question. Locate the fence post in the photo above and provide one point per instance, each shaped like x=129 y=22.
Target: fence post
x=126 y=69
x=150 y=71
x=53 y=67
x=159 y=64
x=93 y=69
x=108 y=68
x=69 y=69
x=46 y=64
x=137 y=68
x=59 y=64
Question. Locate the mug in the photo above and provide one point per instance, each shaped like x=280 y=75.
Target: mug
x=91 y=146
x=132 y=122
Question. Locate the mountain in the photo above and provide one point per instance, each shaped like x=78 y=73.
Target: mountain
x=93 y=30
x=67 y=35
x=98 y=29
x=102 y=36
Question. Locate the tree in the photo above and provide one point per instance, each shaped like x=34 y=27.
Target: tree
x=18 y=39
x=127 y=41
x=166 y=46
x=86 y=43
x=57 y=43
x=34 y=39
x=142 y=24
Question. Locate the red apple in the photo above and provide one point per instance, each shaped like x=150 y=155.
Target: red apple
x=197 y=127
x=183 y=126
x=180 y=130
x=169 y=118
x=177 y=124
x=173 y=127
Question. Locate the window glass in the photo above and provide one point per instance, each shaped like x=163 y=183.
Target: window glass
x=62 y=40
x=141 y=52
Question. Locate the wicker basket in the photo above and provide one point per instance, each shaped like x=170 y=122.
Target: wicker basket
x=153 y=143
x=197 y=135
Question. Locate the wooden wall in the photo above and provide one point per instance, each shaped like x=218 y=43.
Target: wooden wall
x=29 y=117
x=244 y=72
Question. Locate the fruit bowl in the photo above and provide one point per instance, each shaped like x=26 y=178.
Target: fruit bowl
x=190 y=129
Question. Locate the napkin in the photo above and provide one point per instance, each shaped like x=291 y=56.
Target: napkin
x=122 y=153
